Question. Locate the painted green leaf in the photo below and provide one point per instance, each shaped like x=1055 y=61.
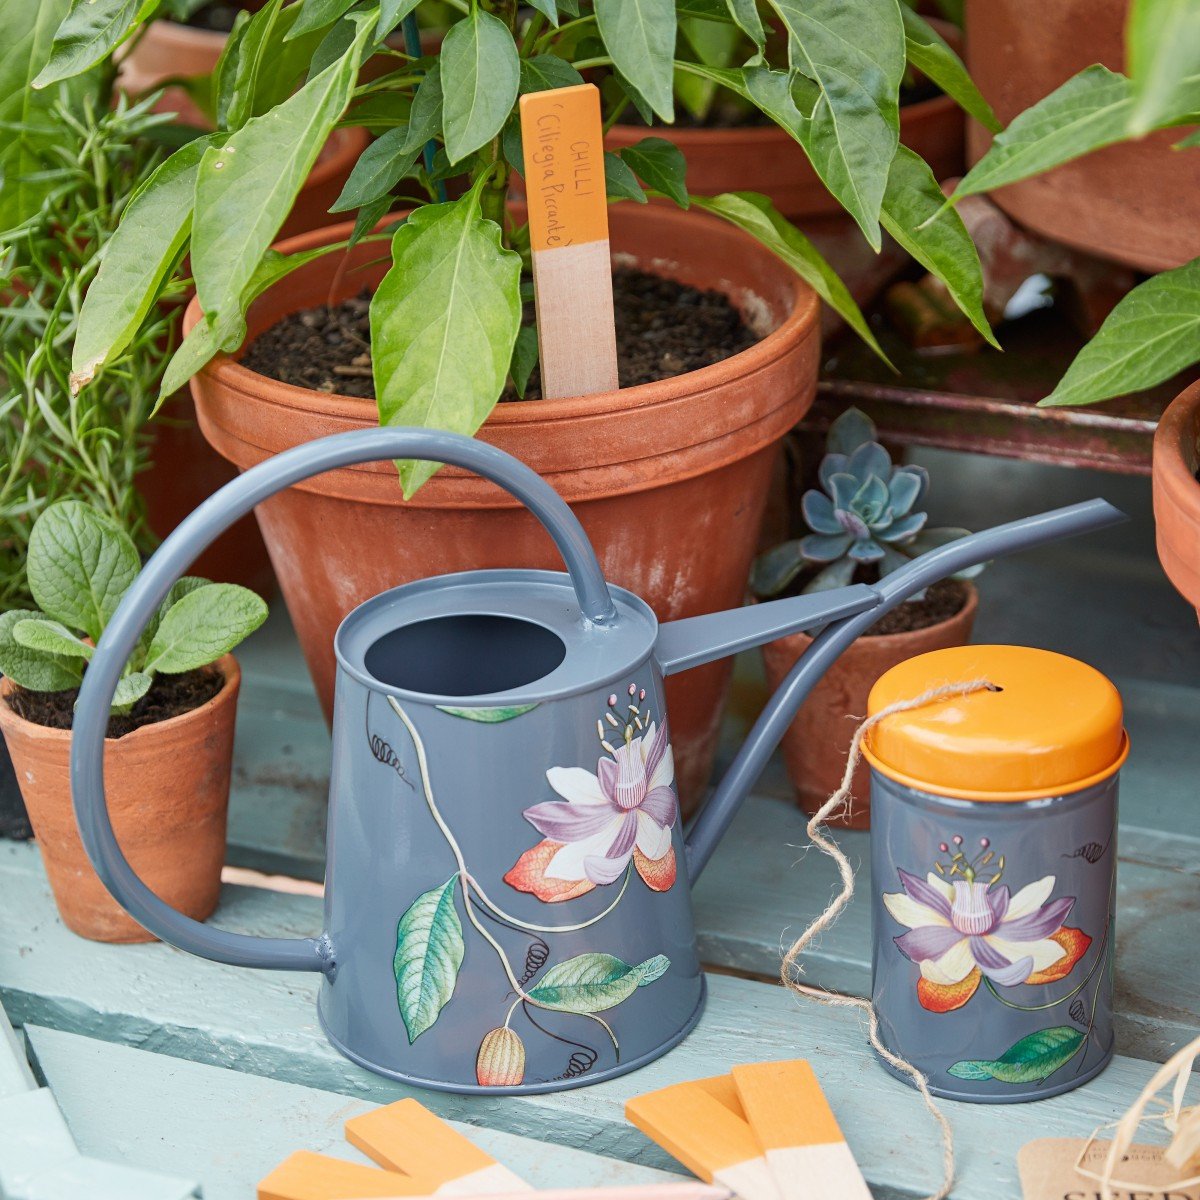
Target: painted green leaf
x=660 y=165
x=429 y=952
x=854 y=55
x=1091 y=110
x=943 y=245
x=443 y=323
x=591 y=983
x=489 y=716
x=50 y=637
x=136 y=261
x=203 y=624
x=545 y=71
x=480 y=74
x=758 y=216
x=1162 y=39
x=1031 y=1060
x=1153 y=332
x=79 y=565
x=30 y=669
x=245 y=189
x=640 y=38
x=387 y=160
x=88 y=32
x=620 y=183
x=928 y=52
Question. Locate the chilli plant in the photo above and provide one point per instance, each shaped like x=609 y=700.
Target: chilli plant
x=446 y=322
x=864 y=521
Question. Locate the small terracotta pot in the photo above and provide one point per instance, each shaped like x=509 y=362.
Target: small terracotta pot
x=168 y=795
x=169 y=50
x=818 y=740
x=763 y=158
x=1137 y=202
x=669 y=479
x=1177 y=493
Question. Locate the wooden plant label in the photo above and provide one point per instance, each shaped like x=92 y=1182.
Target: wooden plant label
x=568 y=230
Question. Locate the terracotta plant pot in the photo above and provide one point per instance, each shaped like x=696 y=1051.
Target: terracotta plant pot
x=765 y=159
x=1177 y=493
x=669 y=478
x=1137 y=202
x=818 y=740
x=168 y=794
x=170 y=50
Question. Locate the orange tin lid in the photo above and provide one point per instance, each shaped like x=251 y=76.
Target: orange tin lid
x=1055 y=725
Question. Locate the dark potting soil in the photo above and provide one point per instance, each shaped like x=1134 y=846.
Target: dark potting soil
x=169 y=696
x=941 y=602
x=664 y=328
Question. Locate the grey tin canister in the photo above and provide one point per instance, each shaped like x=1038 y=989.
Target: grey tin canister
x=993 y=853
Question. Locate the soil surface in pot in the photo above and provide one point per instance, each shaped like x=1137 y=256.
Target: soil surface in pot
x=664 y=328
x=941 y=601
x=169 y=696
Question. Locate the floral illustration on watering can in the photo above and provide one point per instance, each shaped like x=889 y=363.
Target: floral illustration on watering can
x=607 y=826
x=966 y=929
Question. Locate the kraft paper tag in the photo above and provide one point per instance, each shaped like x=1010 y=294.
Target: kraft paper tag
x=1048 y=1172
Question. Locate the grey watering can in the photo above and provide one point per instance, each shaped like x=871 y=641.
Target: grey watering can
x=506 y=903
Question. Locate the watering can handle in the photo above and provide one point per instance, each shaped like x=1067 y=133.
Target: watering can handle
x=176 y=554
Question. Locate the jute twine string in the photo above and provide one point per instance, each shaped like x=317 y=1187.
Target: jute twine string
x=792 y=970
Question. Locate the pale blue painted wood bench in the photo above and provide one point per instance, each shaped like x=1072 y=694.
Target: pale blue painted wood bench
x=179 y=1065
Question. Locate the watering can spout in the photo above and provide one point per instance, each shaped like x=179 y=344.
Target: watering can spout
x=694 y=641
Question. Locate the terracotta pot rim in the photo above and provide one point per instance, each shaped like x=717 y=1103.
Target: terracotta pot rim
x=226 y=664
x=1173 y=439
x=801 y=322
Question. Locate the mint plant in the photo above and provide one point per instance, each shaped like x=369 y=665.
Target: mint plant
x=865 y=521
x=81 y=563
x=290 y=75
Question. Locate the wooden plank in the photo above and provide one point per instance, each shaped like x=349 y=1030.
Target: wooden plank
x=265 y=1024
x=230 y=1129
x=15 y=1075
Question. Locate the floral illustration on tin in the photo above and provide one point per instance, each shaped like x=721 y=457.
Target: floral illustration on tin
x=965 y=928
x=628 y=794
x=623 y=813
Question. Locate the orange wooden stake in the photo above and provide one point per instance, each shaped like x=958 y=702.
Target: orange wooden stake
x=306 y=1175
x=407 y=1137
x=713 y=1142
x=798 y=1132
x=568 y=230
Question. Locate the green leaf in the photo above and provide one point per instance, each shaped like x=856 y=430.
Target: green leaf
x=488 y=716
x=776 y=568
x=928 y=52
x=758 y=216
x=429 y=952
x=1091 y=110
x=381 y=166
x=1162 y=39
x=854 y=55
x=131 y=688
x=205 y=623
x=180 y=588
x=524 y=358
x=50 y=637
x=136 y=261
x=368 y=217
x=1031 y=1060
x=88 y=32
x=745 y=16
x=548 y=9
x=543 y=72
x=391 y=13
x=591 y=983
x=79 y=566
x=425 y=116
x=640 y=38
x=1153 y=332
x=30 y=669
x=480 y=75
x=914 y=213
x=620 y=183
x=317 y=14
x=443 y=323
x=660 y=165
x=246 y=188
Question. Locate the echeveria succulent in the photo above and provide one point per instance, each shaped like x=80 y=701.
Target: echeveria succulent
x=867 y=514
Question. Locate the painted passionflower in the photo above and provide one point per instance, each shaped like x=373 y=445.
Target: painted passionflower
x=626 y=810
x=962 y=929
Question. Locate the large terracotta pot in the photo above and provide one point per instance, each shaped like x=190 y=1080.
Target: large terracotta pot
x=1177 y=493
x=1138 y=202
x=763 y=158
x=669 y=479
x=818 y=740
x=168 y=794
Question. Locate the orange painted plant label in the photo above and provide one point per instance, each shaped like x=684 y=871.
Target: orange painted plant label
x=564 y=167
